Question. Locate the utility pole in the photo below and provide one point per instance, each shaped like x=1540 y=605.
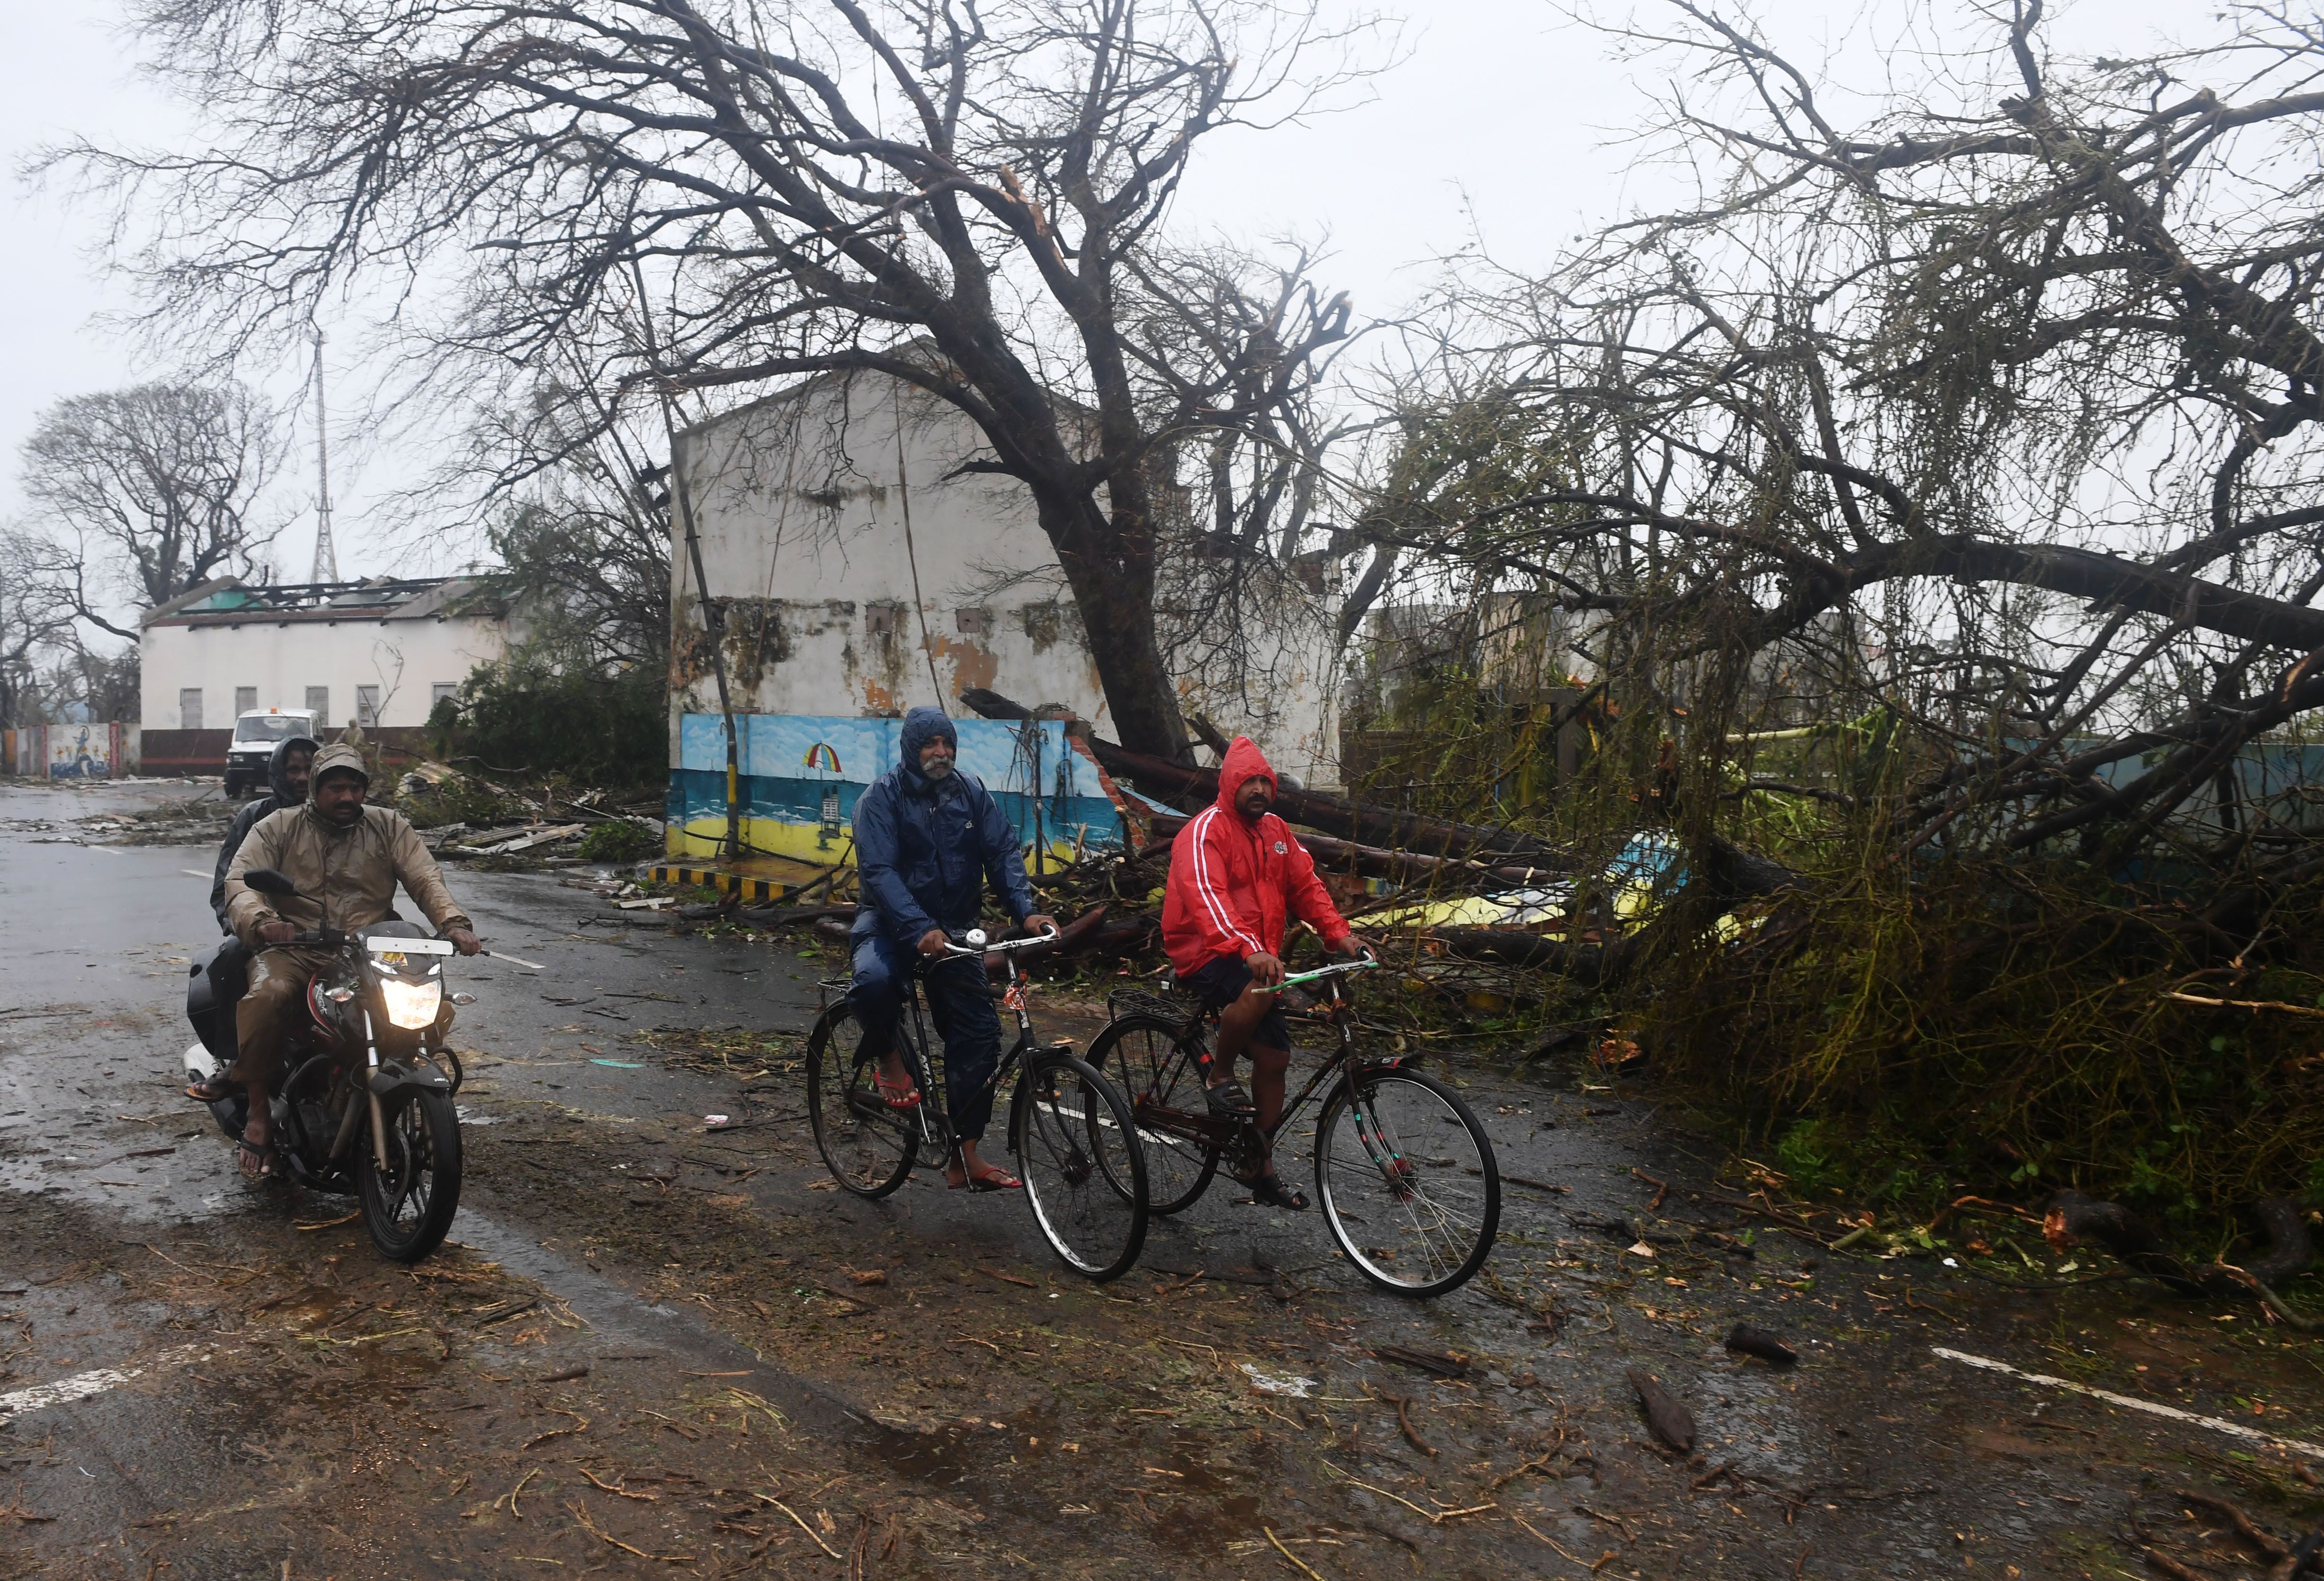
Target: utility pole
x=326 y=554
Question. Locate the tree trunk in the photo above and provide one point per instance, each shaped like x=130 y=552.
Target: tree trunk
x=1110 y=571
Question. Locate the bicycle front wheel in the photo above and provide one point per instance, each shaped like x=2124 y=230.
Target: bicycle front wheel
x=1084 y=1172
x=1144 y=1057
x=1407 y=1181
x=868 y=1147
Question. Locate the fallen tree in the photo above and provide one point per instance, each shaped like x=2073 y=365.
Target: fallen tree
x=1378 y=827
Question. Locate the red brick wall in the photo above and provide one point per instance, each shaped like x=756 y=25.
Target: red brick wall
x=185 y=752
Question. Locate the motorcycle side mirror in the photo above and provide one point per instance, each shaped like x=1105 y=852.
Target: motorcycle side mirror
x=268 y=881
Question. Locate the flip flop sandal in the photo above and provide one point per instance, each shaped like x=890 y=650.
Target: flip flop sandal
x=1228 y=1100
x=210 y=1091
x=264 y=1152
x=1271 y=1191
x=911 y=1095
x=992 y=1177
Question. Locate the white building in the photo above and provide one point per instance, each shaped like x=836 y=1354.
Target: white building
x=862 y=572
x=379 y=653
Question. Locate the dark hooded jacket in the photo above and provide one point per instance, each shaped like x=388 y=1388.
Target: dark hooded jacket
x=278 y=797
x=925 y=851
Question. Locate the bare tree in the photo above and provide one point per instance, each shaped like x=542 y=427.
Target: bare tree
x=2002 y=420
x=583 y=531
x=36 y=620
x=150 y=490
x=802 y=187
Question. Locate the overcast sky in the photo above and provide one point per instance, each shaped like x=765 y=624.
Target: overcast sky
x=1500 y=116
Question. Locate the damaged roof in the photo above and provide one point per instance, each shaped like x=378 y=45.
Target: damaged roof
x=230 y=601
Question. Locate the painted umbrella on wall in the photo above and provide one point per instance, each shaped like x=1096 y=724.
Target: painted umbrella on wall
x=822 y=760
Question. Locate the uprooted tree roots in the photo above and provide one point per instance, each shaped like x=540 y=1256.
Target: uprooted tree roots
x=2074 y=1219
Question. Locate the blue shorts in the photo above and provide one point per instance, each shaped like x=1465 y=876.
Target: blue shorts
x=1220 y=982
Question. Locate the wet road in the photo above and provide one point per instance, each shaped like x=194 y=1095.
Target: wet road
x=656 y=1348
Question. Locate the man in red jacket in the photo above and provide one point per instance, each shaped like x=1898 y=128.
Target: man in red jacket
x=1237 y=876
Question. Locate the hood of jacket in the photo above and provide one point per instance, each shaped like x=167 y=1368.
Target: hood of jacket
x=1243 y=762
x=338 y=755
x=283 y=795
x=922 y=726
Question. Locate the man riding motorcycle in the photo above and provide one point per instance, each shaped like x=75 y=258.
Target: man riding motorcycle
x=286 y=780
x=347 y=855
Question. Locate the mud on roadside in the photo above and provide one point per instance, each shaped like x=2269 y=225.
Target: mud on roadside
x=1127 y=1422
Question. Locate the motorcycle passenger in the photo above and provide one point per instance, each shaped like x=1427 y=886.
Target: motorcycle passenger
x=347 y=855
x=927 y=839
x=1237 y=874
x=286 y=780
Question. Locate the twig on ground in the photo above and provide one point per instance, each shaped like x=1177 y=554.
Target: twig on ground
x=593 y=1530
x=619 y=1491
x=512 y=1492
x=2250 y=1531
x=1613 y=1520
x=2171 y=1567
x=803 y=1526
x=1287 y=1554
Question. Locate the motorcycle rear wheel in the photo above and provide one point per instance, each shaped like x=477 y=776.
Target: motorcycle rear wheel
x=409 y=1209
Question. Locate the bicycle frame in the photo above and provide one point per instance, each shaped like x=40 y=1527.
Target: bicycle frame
x=935 y=1109
x=1224 y=1134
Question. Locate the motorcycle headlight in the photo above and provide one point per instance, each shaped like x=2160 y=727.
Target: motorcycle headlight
x=413 y=1005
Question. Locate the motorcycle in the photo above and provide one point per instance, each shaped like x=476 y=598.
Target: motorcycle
x=367 y=1109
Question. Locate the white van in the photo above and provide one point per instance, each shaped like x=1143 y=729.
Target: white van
x=255 y=735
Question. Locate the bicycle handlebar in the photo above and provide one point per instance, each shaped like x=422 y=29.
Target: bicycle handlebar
x=1344 y=968
x=978 y=947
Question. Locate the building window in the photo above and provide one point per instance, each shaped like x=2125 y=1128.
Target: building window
x=442 y=691
x=881 y=620
x=319 y=703
x=189 y=708
x=245 y=700
x=973 y=622
x=367 y=706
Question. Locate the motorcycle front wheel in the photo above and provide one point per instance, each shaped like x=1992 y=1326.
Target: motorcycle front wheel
x=409 y=1208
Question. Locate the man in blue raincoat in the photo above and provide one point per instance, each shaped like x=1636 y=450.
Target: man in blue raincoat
x=927 y=839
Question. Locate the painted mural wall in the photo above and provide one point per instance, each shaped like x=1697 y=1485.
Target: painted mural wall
x=106 y=750
x=863 y=571
x=802 y=773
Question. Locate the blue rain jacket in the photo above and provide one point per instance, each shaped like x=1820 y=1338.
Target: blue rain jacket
x=925 y=851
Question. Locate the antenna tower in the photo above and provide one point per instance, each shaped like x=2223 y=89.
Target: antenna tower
x=326 y=554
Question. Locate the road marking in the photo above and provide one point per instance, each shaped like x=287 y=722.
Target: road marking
x=196 y=872
x=108 y=850
x=2132 y=1402
x=82 y=1385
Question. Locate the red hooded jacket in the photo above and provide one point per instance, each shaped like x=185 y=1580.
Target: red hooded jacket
x=1235 y=885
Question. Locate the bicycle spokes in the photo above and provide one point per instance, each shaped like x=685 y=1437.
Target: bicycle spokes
x=1084 y=1171
x=1409 y=1185
x=1396 y=1170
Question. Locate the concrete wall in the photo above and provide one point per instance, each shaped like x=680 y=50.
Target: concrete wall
x=863 y=574
x=281 y=659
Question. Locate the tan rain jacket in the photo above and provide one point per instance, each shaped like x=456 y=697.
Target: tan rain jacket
x=356 y=869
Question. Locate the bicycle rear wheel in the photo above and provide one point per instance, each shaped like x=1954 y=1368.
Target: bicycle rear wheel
x=868 y=1146
x=1407 y=1181
x=1144 y=1057
x=1084 y=1172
